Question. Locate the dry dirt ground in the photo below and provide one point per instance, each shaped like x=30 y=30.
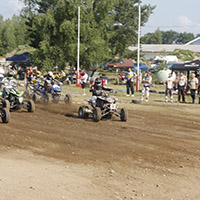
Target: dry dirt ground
x=52 y=154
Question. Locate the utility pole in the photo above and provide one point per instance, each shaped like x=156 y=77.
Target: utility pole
x=138 y=51
x=78 y=48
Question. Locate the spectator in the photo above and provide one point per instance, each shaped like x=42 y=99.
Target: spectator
x=169 y=88
x=193 y=87
x=83 y=79
x=182 y=84
x=199 y=87
x=2 y=73
x=147 y=83
x=130 y=75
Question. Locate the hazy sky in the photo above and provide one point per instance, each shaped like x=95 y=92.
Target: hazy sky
x=178 y=15
x=10 y=7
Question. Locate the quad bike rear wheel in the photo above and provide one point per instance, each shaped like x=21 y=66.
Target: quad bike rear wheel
x=36 y=98
x=81 y=112
x=123 y=115
x=68 y=99
x=6 y=104
x=5 y=115
x=96 y=114
x=30 y=106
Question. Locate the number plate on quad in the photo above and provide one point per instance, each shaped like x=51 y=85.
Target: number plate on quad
x=112 y=106
x=21 y=99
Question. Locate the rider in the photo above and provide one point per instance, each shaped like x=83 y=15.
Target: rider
x=8 y=82
x=169 y=88
x=147 y=80
x=48 y=80
x=97 y=89
x=182 y=84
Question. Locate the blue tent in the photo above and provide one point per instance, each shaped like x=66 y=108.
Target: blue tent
x=20 y=58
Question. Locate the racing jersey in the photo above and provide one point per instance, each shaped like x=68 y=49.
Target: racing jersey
x=130 y=76
x=147 y=81
x=182 y=80
x=9 y=82
x=169 y=83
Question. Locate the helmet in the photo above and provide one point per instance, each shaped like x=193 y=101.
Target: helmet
x=38 y=74
x=10 y=74
x=97 y=82
x=50 y=74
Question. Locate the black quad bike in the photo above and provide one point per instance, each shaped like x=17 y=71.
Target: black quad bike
x=103 y=108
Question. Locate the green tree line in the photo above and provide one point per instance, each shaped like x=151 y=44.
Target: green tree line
x=108 y=27
x=167 y=37
x=12 y=34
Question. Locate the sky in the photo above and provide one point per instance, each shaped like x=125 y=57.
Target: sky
x=10 y=7
x=177 y=15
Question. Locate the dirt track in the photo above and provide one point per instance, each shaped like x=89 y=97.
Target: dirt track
x=155 y=155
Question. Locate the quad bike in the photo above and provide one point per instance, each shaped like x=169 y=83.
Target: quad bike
x=103 y=107
x=50 y=93
x=4 y=114
x=14 y=100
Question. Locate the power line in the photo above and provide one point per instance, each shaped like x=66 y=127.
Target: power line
x=171 y=26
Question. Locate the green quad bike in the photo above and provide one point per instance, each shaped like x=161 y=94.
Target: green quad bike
x=14 y=100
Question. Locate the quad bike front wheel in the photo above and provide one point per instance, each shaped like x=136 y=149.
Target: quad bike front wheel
x=5 y=115
x=96 y=114
x=68 y=99
x=46 y=98
x=6 y=104
x=56 y=98
x=30 y=106
x=123 y=115
x=81 y=112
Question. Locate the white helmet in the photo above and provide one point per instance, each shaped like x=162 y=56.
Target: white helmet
x=50 y=73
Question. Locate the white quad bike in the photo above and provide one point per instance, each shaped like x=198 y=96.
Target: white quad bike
x=103 y=107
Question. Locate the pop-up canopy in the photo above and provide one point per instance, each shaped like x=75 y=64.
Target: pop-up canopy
x=188 y=66
x=24 y=58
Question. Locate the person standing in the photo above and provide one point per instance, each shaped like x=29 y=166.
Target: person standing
x=147 y=80
x=199 y=87
x=182 y=84
x=169 y=88
x=130 y=75
x=83 y=79
x=193 y=87
x=2 y=72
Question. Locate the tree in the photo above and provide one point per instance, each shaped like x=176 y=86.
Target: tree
x=107 y=28
x=1 y=28
x=152 y=38
x=183 y=38
x=169 y=37
x=8 y=36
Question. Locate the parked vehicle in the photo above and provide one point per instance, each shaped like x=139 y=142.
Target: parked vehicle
x=142 y=66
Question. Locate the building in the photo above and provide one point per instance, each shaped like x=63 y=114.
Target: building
x=152 y=50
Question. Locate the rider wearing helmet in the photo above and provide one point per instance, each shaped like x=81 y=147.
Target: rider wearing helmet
x=97 y=89
x=7 y=82
x=48 y=81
